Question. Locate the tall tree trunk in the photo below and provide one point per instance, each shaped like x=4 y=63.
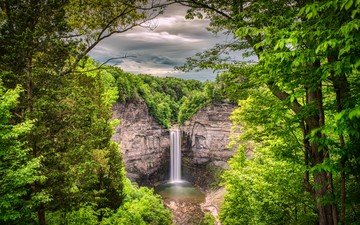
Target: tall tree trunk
x=343 y=194
x=322 y=190
x=343 y=101
x=327 y=214
x=41 y=216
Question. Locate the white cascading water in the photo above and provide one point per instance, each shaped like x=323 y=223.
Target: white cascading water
x=175 y=155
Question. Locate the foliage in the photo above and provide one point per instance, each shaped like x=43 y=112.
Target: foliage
x=78 y=155
x=329 y=47
x=208 y=220
x=308 y=60
x=190 y=105
x=56 y=153
x=163 y=96
x=170 y=100
x=69 y=141
x=140 y=206
x=267 y=188
x=84 y=215
x=91 y=171
x=302 y=97
x=234 y=83
x=17 y=169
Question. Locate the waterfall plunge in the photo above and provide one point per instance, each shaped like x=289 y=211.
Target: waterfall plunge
x=175 y=155
x=177 y=189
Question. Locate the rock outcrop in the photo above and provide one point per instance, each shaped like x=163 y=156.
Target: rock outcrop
x=213 y=201
x=206 y=135
x=145 y=144
x=205 y=144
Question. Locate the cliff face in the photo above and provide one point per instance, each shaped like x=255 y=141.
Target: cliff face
x=205 y=144
x=206 y=135
x=144 y=143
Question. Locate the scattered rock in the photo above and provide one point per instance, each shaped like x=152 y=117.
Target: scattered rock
x=190 y=213
x=185 y=213
x=212 y=204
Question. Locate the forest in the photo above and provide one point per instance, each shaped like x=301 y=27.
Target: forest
x=298 y=106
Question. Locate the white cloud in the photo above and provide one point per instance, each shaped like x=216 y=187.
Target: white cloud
x=145 y=68
x=148 y=36
x=158 y=51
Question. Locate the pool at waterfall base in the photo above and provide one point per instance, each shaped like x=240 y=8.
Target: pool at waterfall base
x=177 y=189
x=182 y=191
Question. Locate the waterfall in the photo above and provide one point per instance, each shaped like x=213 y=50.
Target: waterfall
x=175 y=155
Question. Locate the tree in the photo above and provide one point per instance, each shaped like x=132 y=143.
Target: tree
x=17 y=169
x=300 y=47
x=87 y=168
x=43 y=45
x=267 y=187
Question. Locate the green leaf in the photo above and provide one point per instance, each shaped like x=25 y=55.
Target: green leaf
x=348 y=4
x=354 y=113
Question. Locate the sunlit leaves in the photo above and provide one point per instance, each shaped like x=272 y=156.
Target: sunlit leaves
x=63 y=160
x=141 y=206
x=163 y=96
x=347 y=4
x=304 y=49
x=266 y=188
x=192 y=104
x=17 y=169
x=91 y=16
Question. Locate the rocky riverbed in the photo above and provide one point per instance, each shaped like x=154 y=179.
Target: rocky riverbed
x=189 y=205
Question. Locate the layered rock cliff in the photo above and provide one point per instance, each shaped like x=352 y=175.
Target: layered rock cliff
x=146 y=145
x=205 y=143
x=207 y=134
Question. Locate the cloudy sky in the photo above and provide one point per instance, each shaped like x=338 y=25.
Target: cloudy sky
x=157 y=51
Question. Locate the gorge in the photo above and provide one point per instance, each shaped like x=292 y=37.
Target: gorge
x=146 y=144
x=104 y=119
x=154 y=155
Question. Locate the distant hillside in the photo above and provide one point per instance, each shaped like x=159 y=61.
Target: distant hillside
x=171 y=100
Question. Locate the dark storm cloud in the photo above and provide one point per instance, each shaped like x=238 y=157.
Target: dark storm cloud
x=162 y=60
x=158 y=51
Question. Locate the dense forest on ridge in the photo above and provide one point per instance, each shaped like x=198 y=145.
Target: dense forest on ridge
x=298 y=106
x=170 y=100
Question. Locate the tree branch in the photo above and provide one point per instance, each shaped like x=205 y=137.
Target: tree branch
x=283 y=96
x=101 y=35
x=201 y=4
x=102 y=64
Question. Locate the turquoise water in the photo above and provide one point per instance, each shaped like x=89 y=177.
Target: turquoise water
x=180 y=191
